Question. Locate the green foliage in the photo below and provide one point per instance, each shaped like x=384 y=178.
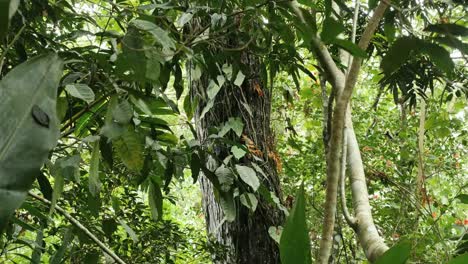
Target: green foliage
x=29 y=126
x=397 y=254
x=295 y=241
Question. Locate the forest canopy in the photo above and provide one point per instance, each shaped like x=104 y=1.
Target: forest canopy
x=236 y=132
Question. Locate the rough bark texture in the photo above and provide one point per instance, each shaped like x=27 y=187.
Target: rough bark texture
x=246 y=238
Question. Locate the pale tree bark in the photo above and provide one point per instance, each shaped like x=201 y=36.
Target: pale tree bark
x=246 y=238
x=343 y=85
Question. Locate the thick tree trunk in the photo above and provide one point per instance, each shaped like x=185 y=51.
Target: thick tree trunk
x=246 y=238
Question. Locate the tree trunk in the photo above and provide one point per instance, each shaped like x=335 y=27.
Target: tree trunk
x=246 y=238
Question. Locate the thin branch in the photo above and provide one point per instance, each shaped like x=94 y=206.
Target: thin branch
x=3 y=56
x=334 y=75
x=76 y=223
x=349 y=219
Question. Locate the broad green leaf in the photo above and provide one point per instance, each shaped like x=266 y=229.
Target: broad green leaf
x=439 y=55
x=153 y=64
x=81 y=91
x=448 y=29
x=398 y=54
x=158 y=33
x=239 y=79
x=295 y=241
x=398 y=254
x=129 y=147
x=372 y=4
x=249 y=200
x=155 y=200
x=129 y=231
x=249 y=176
x=29 y=126
x=212 y=90
x=462 y=259
x=454 y=43
x=350 y=47
x=123 y=112
x=225 y=177
x=226 y=201
x=94 y=184
x=331 y=29
x=463 y=198
x=238 y=152
x=184 y=19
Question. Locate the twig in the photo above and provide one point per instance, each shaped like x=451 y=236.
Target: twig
x=76 y=223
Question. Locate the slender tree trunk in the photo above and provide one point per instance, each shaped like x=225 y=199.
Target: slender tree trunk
x=246 y=238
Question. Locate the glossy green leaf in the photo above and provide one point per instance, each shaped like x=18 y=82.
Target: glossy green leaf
x=249 y=176
x=81 y=91
x=94 y=184
x=29 y=126
x=398 y=254
x=295 y=241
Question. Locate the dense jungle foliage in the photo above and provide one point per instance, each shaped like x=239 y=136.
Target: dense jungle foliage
x=243 y=131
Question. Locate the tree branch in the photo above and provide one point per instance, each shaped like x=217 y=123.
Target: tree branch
x=334 y=75
x=76 y=223
x=349 y=219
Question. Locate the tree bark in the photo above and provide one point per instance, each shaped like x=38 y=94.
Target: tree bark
x=246 y=238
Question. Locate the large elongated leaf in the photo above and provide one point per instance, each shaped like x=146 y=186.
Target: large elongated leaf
x=29 y=127
x=398 y=254
x=295 y=241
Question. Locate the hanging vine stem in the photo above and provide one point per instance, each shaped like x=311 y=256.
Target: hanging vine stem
x=77 y=223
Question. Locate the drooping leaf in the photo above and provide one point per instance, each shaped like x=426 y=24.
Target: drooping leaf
x=228 y=205
x=463 y=198
x=81 y=91
x=295 y=241
x=129 y=147
x=439 y=55
x=45 y=186
x=31 y=133
x=249 y=200
x=448 y=29
x=398 y=254
x=225 y=177
x=155 y=200
x=94 y=184
x=129 y=231
x=123 y=112
x=398 y=54
x=195 y=166
x=350 y=47
x=159 y=34
x=249 y=176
